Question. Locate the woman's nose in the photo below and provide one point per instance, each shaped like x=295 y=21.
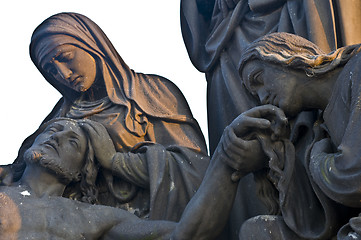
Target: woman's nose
x=263 y=96
x=63 y=70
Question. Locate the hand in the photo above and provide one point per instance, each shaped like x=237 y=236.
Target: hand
x=262 y=117
x=244 y=154
x=101 y=142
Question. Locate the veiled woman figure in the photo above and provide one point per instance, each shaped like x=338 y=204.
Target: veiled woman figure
x=319 y=193
x=161 y=155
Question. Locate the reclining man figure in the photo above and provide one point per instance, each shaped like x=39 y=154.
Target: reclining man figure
x=33 y=209
x=64 y=153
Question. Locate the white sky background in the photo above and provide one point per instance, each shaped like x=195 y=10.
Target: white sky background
x=146 y=34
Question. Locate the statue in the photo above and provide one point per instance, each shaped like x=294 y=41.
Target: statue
x=159 y=143
x=61 y=155
x=150 y=156
x=321 y=192
x=63 y=162
x=216 y=33
x=239 y=152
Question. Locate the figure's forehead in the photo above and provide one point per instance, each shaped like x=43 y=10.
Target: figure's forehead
x=56 y=52
x=249 y=68
x=251 y=64
x=67 y=125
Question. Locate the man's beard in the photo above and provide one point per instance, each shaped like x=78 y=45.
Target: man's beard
x=37 y=156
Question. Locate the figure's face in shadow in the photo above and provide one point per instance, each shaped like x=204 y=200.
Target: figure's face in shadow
x=71 y=66
x=273 y=84
x=62 y=144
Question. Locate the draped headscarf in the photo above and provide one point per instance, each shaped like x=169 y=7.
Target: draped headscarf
x=136 y=91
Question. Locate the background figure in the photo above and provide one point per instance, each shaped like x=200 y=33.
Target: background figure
x=145 y=114
x=216 y=34
x=320 y=192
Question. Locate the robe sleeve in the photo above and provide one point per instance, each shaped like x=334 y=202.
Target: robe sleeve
x=172 y=175
x=131 y=167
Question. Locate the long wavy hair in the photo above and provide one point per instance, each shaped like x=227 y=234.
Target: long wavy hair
x=295 y=52
x=85 y=189
x=89 y=173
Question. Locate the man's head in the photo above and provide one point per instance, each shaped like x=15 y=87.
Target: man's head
x=61 y=147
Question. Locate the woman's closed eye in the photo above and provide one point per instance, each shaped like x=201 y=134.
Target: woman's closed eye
x=65 y=56
x=51 y=69
x=255 y=81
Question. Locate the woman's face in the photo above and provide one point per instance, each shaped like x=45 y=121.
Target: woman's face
x=274 y=85
x=71 y=66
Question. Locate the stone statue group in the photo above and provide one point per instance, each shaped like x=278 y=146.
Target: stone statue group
x=120 y=156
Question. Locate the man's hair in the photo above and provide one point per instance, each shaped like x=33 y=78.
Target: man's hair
x=81 y=185
x=88 y=188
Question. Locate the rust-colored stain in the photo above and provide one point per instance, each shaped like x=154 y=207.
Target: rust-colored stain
x=10 y=219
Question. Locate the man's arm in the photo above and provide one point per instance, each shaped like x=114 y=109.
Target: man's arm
x=207 y=212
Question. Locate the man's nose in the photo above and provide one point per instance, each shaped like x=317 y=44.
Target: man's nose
x=58 y=136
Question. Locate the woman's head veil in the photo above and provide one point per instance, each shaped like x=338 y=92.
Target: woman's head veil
x=150 y=94
x=80 y=31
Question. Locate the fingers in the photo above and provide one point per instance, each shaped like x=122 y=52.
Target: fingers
x=267 y=111
x=251 y=122
x=241 y=155
x=90 y=130
x=261 y=117
x=95 y=130
x=244 y=124
x=234 y=149
x=91 y=125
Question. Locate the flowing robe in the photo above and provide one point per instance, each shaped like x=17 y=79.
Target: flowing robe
x=215 y=41
x=323 y=191
x=166 y=159
x=337 y=171
x=138 y=109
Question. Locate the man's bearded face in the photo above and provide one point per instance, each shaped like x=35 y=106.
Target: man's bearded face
x=61 y=148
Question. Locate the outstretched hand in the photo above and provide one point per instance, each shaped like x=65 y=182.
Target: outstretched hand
x=101 y=142
x=243 y=153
